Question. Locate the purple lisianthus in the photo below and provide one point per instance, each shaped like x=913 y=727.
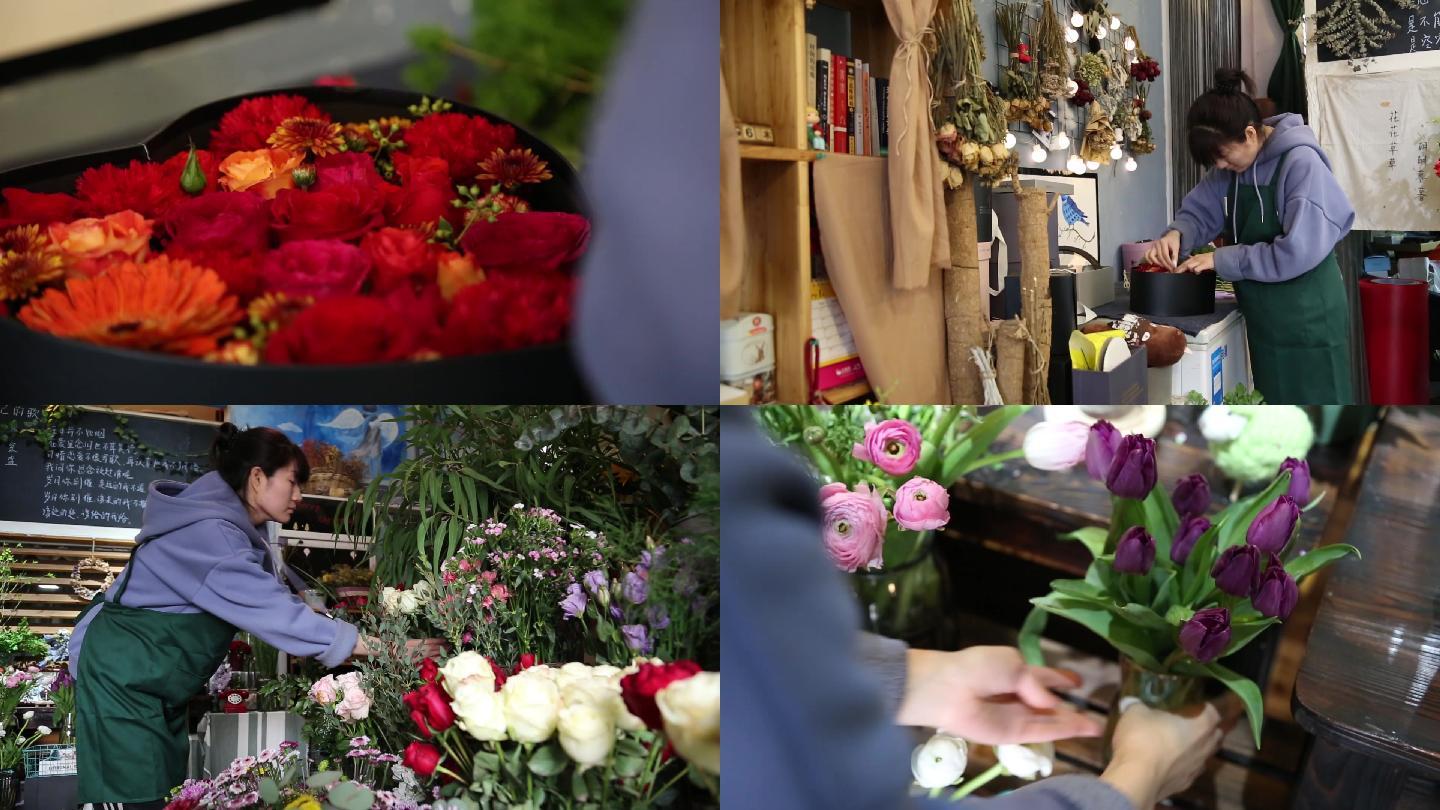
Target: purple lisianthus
x=594 y=581
x=636 y=588
x=574 y=602
x=659 y=619
x=1205 y=635
x=1191 y=496
x=1135 y=552
x=636 y=638
x=615 y=613
x=1191 y=529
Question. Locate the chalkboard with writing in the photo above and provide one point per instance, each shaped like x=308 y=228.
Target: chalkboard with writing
x=93 y=475
x=1417 y=30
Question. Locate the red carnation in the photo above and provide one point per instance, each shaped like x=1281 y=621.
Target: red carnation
x=253 y=120
x=424 y=196
x=344 y=212
x=536 y=240
x=22 y=207
x=323 y=268
x=239 y=271
x=138 y=187
x=422 y=758
x=462 y=140
x=640 y=688
x=347 y=168
x=343 y=330
x=402 y=258
x=508 y=312
x=230 y=221
x=429 y=670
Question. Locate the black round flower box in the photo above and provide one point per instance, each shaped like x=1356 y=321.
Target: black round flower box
x=1172 y=294
x=36 y=367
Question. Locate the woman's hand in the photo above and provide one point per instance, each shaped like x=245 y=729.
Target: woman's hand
x=427 y=647
x=1159 y=753
x=991 y=696
x=1164 y=251
x=1198 y=263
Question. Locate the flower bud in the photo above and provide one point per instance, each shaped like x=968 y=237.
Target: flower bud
x=1270 y=531
x=1205 y=635
x=1100 y=449
x=1191 y=529
x=1299 y=470
x=1135 y=552
x=1237 y=570
x=1191 y=495
x=1132 y=473
x=1277 y=593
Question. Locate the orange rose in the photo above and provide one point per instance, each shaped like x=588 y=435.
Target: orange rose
x=92 y=245
x=265 y=170
x=456 y=272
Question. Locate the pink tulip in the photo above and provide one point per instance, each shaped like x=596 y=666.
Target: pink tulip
x=922 y=505
x=855 y=528
x=892 y=445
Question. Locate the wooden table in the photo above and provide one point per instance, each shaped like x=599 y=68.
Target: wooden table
x=1369 y=684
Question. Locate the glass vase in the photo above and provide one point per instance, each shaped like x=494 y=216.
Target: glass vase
x=12 y=783
x=1154 y=689
x=360 y=769
x=906 y=598
x=67 y=730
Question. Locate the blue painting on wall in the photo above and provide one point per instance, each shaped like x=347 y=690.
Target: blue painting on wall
x=362 y=441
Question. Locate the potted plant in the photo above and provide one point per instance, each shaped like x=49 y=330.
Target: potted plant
x=12 y=753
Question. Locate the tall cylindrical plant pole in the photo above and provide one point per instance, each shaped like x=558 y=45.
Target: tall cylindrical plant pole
x=1035 y=304
x=963 y=326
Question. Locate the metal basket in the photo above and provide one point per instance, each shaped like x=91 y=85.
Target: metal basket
x=37 y=754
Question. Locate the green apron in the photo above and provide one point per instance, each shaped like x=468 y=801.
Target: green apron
x=137 y=674
x=1298 y=330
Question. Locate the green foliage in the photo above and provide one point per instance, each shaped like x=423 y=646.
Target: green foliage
x=1239 y=395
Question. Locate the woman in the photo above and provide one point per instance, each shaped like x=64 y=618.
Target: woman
x=200 y=571
x=1273 y=196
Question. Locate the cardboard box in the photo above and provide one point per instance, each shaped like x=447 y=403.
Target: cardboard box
x=1215 y=361
x=1126 y=385
x=1095 y=286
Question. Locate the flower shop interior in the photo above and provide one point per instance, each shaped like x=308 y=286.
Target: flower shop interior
x=536 y=590
x=1277 y=559
x=931 y=201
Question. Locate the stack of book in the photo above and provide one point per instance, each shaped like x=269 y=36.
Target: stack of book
x=853 y=105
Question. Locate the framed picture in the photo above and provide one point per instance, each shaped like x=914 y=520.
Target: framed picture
x=1077 y=215
x=347 y=445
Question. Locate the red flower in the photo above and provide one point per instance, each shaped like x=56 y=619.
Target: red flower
x=345 y=80
x=538 y=240
x=343 y=212
x=344 y=330
x=639 y=689
x=402 y=258
x=500 y=676
x=239 y=271
x=246 y=127
x=430 y=708
x=508 y=312
x=527 y=660
x=348 y=168
x=422 y=758
x=322 y=268
x=138 y=187
x=429 y=670
x=425 y=194
x=461 y=140
x=424 y=310
x=23 y=207
x=222 y=221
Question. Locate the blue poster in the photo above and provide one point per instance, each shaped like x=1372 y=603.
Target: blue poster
x=363 y=441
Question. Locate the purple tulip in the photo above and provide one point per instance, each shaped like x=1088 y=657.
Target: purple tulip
x=1270 y=532
x=1191 y=495
x=1191 y=529
x=1277 y=593
x=1132 y=473
x=574 y=602
x=1100 y=449
x=1135 y=552
x=636 y=638
x=1299 y=470
x=1204 y=637
x=1237 y=570
x=595 y=581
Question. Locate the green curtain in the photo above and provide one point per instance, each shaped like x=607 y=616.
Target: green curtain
x=1287 y=82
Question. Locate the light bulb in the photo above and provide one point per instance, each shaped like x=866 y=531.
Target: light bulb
x=1119 y=134
x=1077 y=20
x=1071 y=88
x=1129 y=43
x=1131 y=165
x=1116 y=152
x=1075 y=165
x=1038 y=154
x=1115 y=22
x=1092 y=165
x=1072 y=36
x=1009 y=140
x=1060 y=141
x=1134 y=60
x=1101 y=31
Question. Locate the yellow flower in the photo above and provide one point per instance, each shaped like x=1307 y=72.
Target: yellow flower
x=305 y=802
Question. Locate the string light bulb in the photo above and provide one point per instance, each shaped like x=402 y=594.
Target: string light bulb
x=1119 y=134
x=1077 y=20
x=1075 y=165
x=1116 y=152
x=1101 y=31
x=1114 y=22
x=1129 y=43
x=1131 y=165
x=1009 y=140
x=1072 y=36
x=1038 y=154
x=1060 y=141
x=1092 y=165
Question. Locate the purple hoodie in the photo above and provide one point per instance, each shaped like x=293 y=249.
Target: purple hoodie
x=1314 y=209
x=208 y=557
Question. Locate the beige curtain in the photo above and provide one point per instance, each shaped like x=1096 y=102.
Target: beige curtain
x=916 y=199
x=732 y=220
x=900 y=333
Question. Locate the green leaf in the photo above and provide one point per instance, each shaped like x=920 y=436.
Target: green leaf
x=1197 y=566
x=323 y=779
x=1092 y=536
x=1080 y=589
x=547 y=760
x=629 y=747
x=629 y=766
x=1142 y=615
x=1165 y=594
x=1244 y=632
x=351 y=796
x=1122 y=633
x=1178 y=615
x=578 y=788
x=1318 y=558
x=269 y=793
x=1029 y=639
x=1247 y=690
x=976 y=441
x=1161 y=520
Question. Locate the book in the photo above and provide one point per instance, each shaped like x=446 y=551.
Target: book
x=860 y=135
x=839 y=357
x=822 y=96
x=882 y=86
x=869 y=119
x=850 y=104
x=839 y=107
x=874 y=117
x=812 y=49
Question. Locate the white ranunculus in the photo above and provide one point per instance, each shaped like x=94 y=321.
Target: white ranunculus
x=479 y=710
x=1034 y=760
x=30 y=715
x=532 y=707
x=940 y=762
x=43 y=730
x=690 y=709
x=408 y=602
x=604 y=671
x=586 y=734
x=1220 y=424
x=465 y=666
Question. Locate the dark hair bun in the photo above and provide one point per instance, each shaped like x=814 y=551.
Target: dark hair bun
x=235 y=452
x=1234 y=80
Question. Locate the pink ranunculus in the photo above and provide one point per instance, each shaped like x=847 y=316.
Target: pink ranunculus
x=922 y=505
x=324 y=691
x=892 y=445
x=831 y=489
x=1056 y=446
x=355 y=706
x=855 y=528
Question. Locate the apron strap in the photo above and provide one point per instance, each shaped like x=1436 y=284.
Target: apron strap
x=129 y=564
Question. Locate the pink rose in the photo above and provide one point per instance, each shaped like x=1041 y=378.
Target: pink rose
x=355 y=706
x=1056 y=446
x=320 y=267
x=922 y=505
x=324 y=690
x=892 y=445
x=855 y=527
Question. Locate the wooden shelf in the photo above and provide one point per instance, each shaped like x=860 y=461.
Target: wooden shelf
x=846 y=393
x=754 y=151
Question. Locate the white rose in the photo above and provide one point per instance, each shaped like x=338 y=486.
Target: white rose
x=408 y=602
x=465 y=666
x=479 y=710
x=532 y=707
x=573 y=672
x=691 y=711
x=390 y=600
x=586 y=734
x=545 y=671
x=940 y=762
x=1027 y=761
x=423 y=592
x=604 y=671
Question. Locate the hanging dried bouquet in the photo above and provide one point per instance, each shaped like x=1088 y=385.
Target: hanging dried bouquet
x=1020 y=81
x=970 y=117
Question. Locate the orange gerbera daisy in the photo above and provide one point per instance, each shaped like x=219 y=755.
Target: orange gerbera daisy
x=302 y=135
x=28 y=261
x=164 y=304
x=513 y=167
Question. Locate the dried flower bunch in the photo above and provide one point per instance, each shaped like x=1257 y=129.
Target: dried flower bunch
x=970 y=116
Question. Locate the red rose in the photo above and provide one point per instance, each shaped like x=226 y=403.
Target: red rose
x=343 y=212
x=433 y=706
x=639 y=689
x=429 y=670
x=323 y=268
x=348 y=168
x=24 y=207
x=402 y=258
x=527 y=660
x=230 y=221
x=344 y=330
x=461 y=140
x=239 y=271
x=537 y=240
x=508 y=312
x=424 y=196
x=422 y=758
x=500 y=676
x=253 y=121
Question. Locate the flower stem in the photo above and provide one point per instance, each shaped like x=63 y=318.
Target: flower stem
x=978 y=782
x=994 y=459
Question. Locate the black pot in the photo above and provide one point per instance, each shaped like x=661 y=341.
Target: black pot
x=1172 y=294
x=39 y=367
